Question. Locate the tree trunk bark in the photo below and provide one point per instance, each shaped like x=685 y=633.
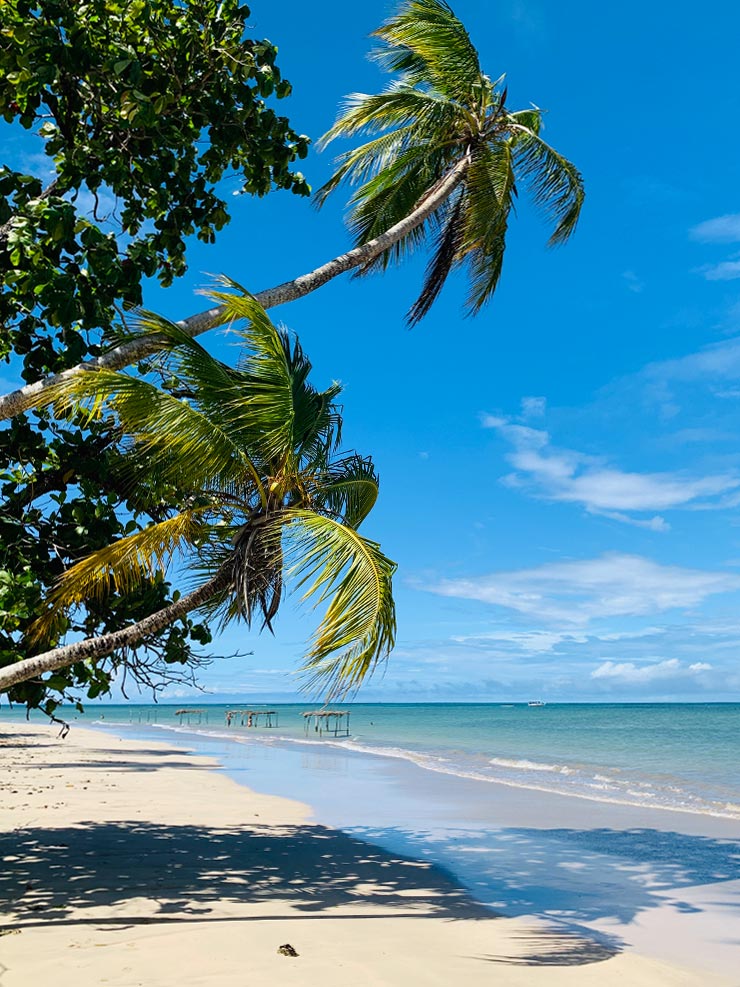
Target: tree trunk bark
x=33 y=394
x=99 y=647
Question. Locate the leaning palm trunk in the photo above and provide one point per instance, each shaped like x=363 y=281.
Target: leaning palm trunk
x=100 y=647
x=134 y=350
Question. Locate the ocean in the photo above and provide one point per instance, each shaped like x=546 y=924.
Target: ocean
x=683 y=757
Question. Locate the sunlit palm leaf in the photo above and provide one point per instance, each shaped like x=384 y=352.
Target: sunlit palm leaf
x=349 y=489
x=121 y=567
x=531 y=118
x=333 y=562
x=281 y=413
x=361 y=163
x=554 y=183
x=408 y=110
x=426 y=41
x=174 y=438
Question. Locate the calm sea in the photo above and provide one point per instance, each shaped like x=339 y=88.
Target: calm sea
x=673 y=756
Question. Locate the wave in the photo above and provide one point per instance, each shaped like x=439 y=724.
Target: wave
x=526 y=765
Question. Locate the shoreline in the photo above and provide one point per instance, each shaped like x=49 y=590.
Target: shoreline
x=154 y=853
x=587 y=757
x=425 y=763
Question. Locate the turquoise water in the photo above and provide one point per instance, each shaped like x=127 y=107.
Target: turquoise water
x=672 y=756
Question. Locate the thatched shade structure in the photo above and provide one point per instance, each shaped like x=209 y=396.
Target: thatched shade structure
x=325 y=719
x=250 y=717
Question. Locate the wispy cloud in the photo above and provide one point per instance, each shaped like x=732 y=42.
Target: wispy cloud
x=651 y=671
x=579 y=592
x=533 y=407
x=721 y=229
x=567 y=475
x=726 y=270
x=683 y=383
x=670 y=386
x=528 y=642
x=632 y=281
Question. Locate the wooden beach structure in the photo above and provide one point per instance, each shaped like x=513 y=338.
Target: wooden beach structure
x=200 y=713
x=334 y=721
x=251 y=717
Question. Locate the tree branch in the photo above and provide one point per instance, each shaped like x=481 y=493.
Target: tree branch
x=127 y=637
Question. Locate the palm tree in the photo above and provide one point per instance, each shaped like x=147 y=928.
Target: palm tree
x=270 y=498
x=448 y=162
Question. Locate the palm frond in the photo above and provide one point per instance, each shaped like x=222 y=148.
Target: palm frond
x=446 y=255
x=348 y=489
x=531 y=118
x=174 y=438
x=390 y=197
x=318 y=428
x=369 y=159
x=427 y=42
x=397 y=107
x=264 y=407
x=555 y=184
x=333 y=562
x=484 y=266
x=279 y=412
x=491 y=182
x=490 y=191
x=214 y=384
x=121 y=567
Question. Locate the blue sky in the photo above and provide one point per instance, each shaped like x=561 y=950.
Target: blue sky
x=561 y=475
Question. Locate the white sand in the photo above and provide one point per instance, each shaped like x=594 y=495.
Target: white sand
x=129 y=863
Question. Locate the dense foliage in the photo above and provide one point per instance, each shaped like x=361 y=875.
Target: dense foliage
x=141 y=108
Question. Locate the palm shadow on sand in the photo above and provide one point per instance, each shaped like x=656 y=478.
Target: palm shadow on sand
x=573 y=876
x=65 y=876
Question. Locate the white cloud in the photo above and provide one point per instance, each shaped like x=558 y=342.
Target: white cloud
x=629 y=672
x=559 y=642
x=726 y=270
x=533 y=407
x=571 y=476
x=721 y=229
x=656 y=523
x=576 y=593
x=720 y=361
x=631 y=635
x=530 y=641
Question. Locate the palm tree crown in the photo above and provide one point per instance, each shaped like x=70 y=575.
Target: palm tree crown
x=270 y=495
x=445 y=128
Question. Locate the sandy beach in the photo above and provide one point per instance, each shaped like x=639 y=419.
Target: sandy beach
x=129 y=862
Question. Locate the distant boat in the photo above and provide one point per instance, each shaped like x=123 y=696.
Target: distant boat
x=536 y=702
